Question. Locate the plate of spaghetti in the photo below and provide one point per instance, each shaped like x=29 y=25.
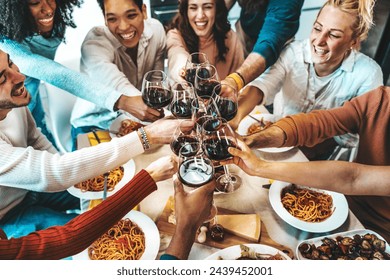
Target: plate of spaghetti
x=308 y=209
x=249 y=252
x=93 y=187
x=124 y=124
x=134 y=237
x=250 y=126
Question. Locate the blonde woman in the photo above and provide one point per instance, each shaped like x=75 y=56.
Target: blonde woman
x=321 y=72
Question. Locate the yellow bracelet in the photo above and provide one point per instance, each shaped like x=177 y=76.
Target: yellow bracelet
x=238 y=80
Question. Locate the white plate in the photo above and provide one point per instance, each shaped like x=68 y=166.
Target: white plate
x=234 y=252
x=338 y=217
x=128 y=173
x=152 y=236
x=248 y=121
x=116 y=124
x=318 y=240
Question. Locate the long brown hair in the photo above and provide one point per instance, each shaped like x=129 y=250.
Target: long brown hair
x=220 y=29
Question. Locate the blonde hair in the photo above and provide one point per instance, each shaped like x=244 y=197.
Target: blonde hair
x=362 y=10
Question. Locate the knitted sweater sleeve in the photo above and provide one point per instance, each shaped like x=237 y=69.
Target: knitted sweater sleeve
x=315 y=127
x=62 y=241
x=55 y=172
x=78 y=84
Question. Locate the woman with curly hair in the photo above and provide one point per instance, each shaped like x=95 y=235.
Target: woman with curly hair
x=198 y=27
x=31 y=32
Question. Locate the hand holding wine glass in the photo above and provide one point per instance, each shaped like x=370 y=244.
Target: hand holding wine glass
x=155 y=89
x=196 y=171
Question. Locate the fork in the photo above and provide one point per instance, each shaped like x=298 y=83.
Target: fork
x=105 y=174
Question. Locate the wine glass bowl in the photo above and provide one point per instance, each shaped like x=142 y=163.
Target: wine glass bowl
x=205 y=80
x=194 y=170
x=228 y=103
x=187 y=138
x=183 y=95
x=217 y=138
x=155 y=89
x=194 y=61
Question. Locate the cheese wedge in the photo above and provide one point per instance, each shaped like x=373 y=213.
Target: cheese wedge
x=244 y=225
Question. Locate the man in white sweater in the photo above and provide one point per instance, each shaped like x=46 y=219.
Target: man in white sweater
x=34 y=177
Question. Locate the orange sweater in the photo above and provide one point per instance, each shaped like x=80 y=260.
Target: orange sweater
x=63 y=241
x=369 y=116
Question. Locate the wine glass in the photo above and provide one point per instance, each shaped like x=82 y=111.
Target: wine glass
x=228 y=103
x=195 y=171
x=194 y=60
x=217 y=137
x=205 y=80
x=155 y=89
x=183 y=95
x=185 y=136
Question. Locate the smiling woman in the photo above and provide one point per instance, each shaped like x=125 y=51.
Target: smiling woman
x=321 y=72
x=198 y=27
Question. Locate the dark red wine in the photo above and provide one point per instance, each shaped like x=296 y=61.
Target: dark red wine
x=227 y=108
x=205 y=88
x=182 y=108
x=157 y=97
x=190 y=75
x=217 y=149
x=190 y=144
x=196 y=172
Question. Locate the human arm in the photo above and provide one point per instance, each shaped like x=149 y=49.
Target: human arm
x=280 y=25
x=191 y=210
x=310 y=129
x=249 y=98
x=54 y=172
x=98 y=61
x=346 y=177
x=177 y=55
x=64 y=241
x=54 y=73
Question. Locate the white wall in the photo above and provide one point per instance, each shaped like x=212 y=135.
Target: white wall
x=87 y=16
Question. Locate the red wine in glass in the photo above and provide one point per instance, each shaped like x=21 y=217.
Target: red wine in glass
x=217 y=148
x=189 y=143
x=227 y=108
x=157 y=97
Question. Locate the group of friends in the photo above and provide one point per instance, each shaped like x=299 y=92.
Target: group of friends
x=328 y=93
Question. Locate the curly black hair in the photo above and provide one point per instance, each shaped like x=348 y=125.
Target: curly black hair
x=139 y=4
x=17 y=23
x=220 y=29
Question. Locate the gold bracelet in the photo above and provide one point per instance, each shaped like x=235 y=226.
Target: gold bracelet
x=237 y=79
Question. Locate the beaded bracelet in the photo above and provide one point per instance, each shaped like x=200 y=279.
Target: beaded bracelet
x=145 y=140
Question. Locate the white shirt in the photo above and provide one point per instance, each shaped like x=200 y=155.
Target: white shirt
x=29 y=161
x=301 y=90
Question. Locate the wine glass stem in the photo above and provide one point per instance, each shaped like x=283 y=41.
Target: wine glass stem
x=227 y=174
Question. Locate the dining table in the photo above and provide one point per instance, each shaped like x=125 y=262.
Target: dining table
x=251 y=198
